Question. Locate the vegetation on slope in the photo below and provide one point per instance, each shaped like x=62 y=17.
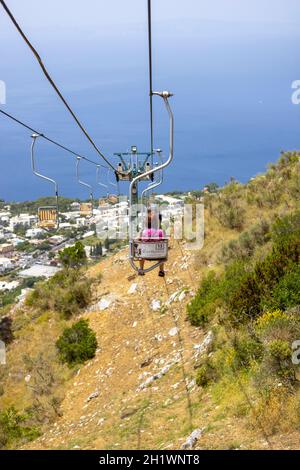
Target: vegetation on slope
x=248 y=298
x=48 y=311
x=251 y=300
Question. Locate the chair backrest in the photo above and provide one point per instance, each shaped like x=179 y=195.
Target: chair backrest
x=47 y=217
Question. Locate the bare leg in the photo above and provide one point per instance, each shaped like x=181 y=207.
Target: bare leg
x=142 y=263
x=161 y=271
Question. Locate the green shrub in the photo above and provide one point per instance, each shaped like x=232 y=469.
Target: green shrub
x=6 y=333
x=77 y=344
x=247 y=349
x=285 y=226
x=247 y=291
x=278 y=360
x=231 y=214
x=73 y=256
x=206 y=372
x=205 y=375
x=245 y=245
x=251 y=296
x=273 y=320
x=205 y=302
x=67 y=293
x=14 y=428
x=287 y=292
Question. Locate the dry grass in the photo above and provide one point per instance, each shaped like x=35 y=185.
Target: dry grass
x=157 y=418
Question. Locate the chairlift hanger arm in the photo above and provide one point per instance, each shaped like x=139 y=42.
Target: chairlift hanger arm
x=165 y=95
x=40 y=175
x=153 y=184
x=83 y=183
x=54 y=224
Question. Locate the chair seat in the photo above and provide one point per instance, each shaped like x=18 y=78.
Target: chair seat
x=151 y=249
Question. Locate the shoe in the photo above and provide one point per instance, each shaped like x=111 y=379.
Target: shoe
x=161 y=273
x=141 y=272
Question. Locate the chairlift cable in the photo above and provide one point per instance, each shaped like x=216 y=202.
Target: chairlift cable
x=63 y=147
x=184 y=373
x=239 y=382
x=150 y=76
x=52 y=83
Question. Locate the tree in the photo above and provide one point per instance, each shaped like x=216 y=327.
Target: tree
x=212 y=187
x=96 y=250
x=20 y=229
x=6 y=333
x=77 y=344
x=73 y=256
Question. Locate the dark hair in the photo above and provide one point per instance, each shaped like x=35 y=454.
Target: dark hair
x=149 y=222
x=149 y=219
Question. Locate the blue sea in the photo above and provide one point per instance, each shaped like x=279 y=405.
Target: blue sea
x=232 y=103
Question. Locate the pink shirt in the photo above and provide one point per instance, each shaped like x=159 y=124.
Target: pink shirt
x=150 y=233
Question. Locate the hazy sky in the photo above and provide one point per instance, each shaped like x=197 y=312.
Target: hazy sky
x=230 y=64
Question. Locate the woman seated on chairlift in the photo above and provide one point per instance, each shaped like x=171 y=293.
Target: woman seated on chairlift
x=153 y=231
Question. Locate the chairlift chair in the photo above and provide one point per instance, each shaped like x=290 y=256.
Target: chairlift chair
x=128 y=169
x=155 y=250
x=48 y=216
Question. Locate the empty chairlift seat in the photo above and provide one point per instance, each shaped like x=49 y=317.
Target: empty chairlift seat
x=48 y=218
x=86 y=209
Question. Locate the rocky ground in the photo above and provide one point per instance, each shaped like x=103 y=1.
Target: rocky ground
x=139 y=391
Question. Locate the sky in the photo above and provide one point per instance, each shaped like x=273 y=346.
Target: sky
x=229 y=63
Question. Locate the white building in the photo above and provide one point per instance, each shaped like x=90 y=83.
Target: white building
x=8 y=285
x=39 y=270
x=34 y=232
x=26 y=220
x=75 y=206
x=5 y=265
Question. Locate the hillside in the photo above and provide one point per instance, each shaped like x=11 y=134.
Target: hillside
x=140 y=390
